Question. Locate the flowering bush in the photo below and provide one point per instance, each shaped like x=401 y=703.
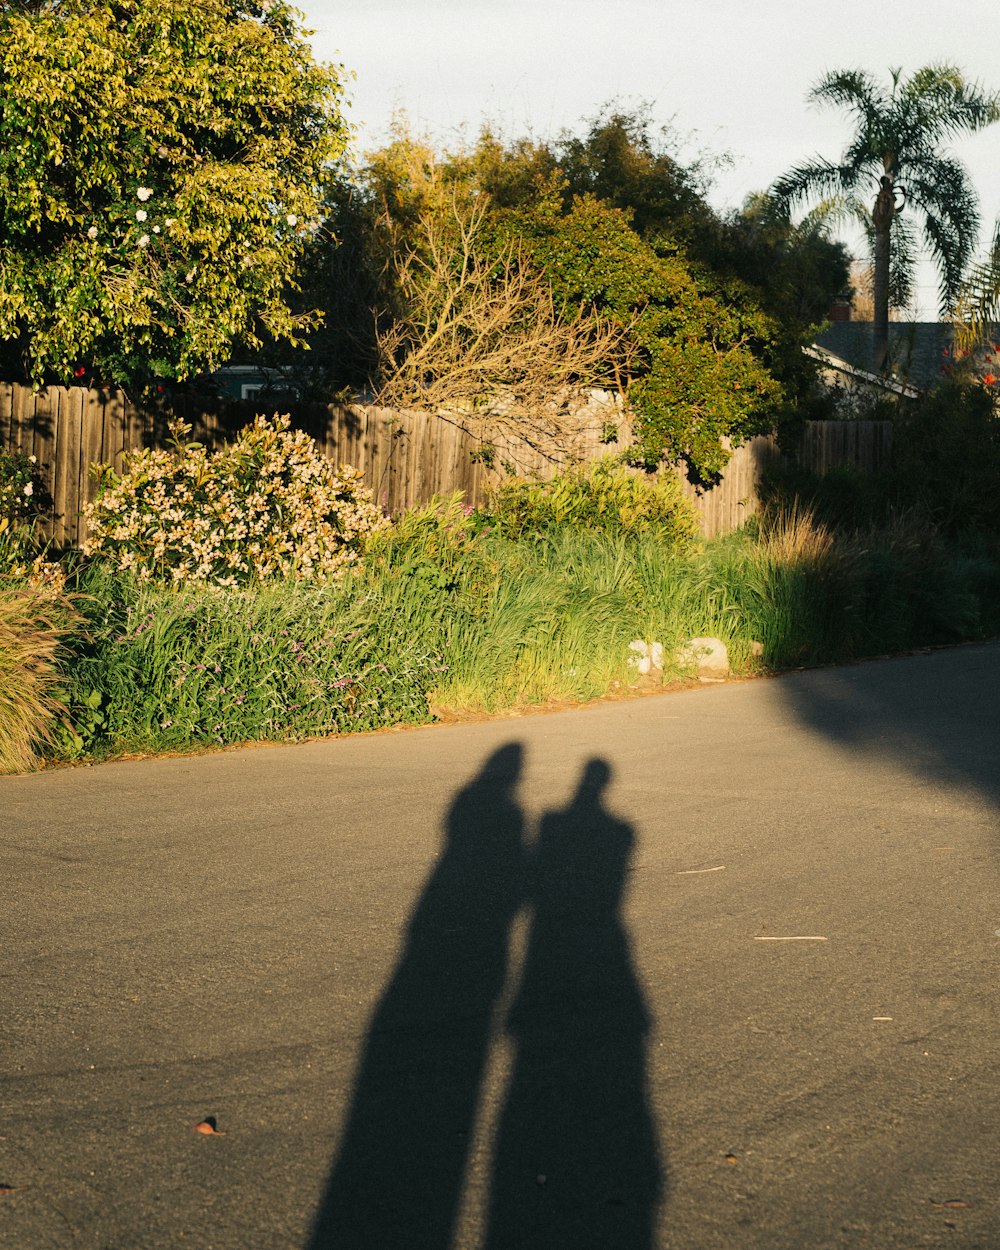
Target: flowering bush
x=22 y=493
x=267 y=505
x=24 y=500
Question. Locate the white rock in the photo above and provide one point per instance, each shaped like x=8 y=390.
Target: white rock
x=647 y=656
x=707 y=656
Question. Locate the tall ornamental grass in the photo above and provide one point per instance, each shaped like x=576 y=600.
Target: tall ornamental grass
x=32 y=625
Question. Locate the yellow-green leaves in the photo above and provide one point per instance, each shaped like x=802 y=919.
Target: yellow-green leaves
x=152 y=158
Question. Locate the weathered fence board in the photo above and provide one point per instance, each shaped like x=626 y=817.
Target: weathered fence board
x=405 y=457
x=827 y=445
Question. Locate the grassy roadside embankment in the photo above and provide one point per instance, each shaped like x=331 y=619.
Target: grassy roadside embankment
x=442 y=614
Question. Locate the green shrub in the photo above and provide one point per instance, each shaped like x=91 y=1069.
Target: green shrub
x=268 y=505
x=813 y=595
x=602 y=495
x=161 y=668
x=24 y=501
x=945 y=466
x=946 y=458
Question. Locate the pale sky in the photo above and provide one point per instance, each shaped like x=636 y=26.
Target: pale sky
x=732 y=75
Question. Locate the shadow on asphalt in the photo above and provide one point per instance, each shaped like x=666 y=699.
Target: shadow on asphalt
x=938 y=715
x=575 y=1161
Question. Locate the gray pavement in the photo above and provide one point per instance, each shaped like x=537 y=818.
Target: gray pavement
x=520 y=985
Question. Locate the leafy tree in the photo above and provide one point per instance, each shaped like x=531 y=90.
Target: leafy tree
x=698 y=380
x=478 y=336
x=159 y=166
x=755 y=260
x=687 y=345
x=626 y=162
x=896 y=153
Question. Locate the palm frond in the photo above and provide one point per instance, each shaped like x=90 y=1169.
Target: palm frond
x=903 y=252
x=937 y=103
x=856 y=91
x=817 y=178
x=939 y=187
x=977 y=307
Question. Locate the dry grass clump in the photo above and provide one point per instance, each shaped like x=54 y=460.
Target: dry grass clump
x=793 y=536
x=32 y=623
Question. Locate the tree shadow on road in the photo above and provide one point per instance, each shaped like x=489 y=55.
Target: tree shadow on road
x=937 y=715
x=576 y=1162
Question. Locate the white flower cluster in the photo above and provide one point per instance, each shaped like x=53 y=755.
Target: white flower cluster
x=267 y=505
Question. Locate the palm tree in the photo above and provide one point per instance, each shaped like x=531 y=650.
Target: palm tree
x=977 y=308
x=896 y=153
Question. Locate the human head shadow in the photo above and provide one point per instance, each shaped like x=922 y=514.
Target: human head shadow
x=577 y=1162
x=397 y=1178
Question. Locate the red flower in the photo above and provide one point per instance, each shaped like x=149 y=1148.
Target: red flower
x=989 y=379
x=79 y=371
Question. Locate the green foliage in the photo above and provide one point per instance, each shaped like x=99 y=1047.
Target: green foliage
x=812 y=595
x=976 y=312
x=22 y=490
x=600 y=219
x=944 y=469
x=755 y=262
x=24 y=502
x=267 y=505
x=158 y=181
x=624 y=161
x=601 y=495
x=698 y=381
x=447 y=616
x=160 y=668
x=946 y=458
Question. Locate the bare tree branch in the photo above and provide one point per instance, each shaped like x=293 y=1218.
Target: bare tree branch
x=475 y=336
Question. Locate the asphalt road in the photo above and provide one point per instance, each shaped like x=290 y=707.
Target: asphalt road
x=701 y=971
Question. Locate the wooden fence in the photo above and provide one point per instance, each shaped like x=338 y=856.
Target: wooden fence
x=406 y=457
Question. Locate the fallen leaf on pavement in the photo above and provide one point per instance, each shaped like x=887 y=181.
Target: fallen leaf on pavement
x=208 y=1127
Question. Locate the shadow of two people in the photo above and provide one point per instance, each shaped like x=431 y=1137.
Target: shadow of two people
x=575 y=1159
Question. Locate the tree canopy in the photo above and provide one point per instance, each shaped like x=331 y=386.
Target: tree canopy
x=159 y=171
x=715 y=310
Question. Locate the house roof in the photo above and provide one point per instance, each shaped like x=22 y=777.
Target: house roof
x=836 y=371
x=918 y=350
